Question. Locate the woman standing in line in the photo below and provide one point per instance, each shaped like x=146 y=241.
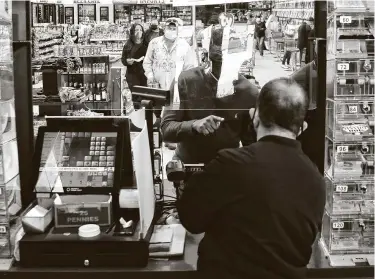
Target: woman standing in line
x=133 y=54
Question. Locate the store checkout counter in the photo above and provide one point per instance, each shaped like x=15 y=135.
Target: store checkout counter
x=33 y=248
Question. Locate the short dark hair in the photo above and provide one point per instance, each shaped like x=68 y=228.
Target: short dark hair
x=214 y=19
x=283 y=102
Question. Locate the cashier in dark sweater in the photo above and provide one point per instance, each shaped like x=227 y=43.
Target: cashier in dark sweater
x=204 y=124
x=260 y=206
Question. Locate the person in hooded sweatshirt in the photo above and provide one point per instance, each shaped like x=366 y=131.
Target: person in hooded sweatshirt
x=153 y=32
x=205 y=123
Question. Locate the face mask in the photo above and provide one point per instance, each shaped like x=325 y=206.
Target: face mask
x=171 y=35
x=154 y=27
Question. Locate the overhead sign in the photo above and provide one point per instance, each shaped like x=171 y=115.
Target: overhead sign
x=86 y=1
x=154 y=2
x=144 y=2
x=207 y=2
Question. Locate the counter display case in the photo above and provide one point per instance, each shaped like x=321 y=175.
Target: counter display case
x=10 y=199
x=348 y=225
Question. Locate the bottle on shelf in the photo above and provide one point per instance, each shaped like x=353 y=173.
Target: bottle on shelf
x=157 y=162
x=91 y=97
x=98 y=96
x=104 y=92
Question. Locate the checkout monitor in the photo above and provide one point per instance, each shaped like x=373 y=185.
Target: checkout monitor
x=76 y=160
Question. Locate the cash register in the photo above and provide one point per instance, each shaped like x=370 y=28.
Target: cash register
x=90 y=210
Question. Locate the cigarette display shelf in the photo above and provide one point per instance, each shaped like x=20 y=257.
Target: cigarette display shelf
x=112 y=36
x=153 y=12
x=348 y=226
x=45 y=37
x=10 y=204
x=295 y=10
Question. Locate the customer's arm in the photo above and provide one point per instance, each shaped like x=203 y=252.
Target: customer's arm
x=172 y=126
x=209 y=192
x=147 y=62
x=246 y=94
x=124 y=56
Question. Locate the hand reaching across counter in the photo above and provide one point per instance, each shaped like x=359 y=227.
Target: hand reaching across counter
x=207 y=125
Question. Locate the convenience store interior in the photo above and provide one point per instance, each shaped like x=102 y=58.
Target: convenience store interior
x=62 y=59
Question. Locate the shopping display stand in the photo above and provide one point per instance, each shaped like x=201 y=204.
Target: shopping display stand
x=348 y=223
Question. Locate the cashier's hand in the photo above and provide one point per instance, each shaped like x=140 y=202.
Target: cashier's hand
x=130 y=61
x=305 y=125
x=207 y=125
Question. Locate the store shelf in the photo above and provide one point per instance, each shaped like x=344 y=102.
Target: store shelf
x=348 y=225
x=108 y=40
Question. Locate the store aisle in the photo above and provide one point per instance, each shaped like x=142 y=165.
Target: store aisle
x=267 y=68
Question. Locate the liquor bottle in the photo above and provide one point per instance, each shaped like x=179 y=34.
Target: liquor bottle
x=104 y=92
x=91 y=98
x=98 y=96
x=157 y=162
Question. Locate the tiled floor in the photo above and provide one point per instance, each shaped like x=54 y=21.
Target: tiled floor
x=267 y=68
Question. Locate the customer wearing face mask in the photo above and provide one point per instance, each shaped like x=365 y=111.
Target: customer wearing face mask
x=167 y=56
x=205 y=123
x=261 y=206
x=153 y=32
x=133 y=54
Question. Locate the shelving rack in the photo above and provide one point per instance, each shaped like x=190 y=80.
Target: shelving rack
x=10 y=194
x=348 y=224
x=45 y=37
x=297 y=11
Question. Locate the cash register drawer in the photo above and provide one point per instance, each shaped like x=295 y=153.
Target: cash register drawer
x=39 y=251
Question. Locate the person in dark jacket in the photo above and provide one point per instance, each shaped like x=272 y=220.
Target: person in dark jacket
x=307 y=77
x=204 y=123
x=260 y=206
x=302 y=41
x=153 y=32
x=259 y=34
x=310 y=39
x=133 y=54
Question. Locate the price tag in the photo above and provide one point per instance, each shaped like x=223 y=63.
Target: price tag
x=341 y=188
x=3 y=229
x=353 y=109
x=345 y=19
x=343 y=67
x=338 y=225
x=342 y=149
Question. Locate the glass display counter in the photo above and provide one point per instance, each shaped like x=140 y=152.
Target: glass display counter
x=348 y=225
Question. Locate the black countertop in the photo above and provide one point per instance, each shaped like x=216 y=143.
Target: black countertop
x=183 y=267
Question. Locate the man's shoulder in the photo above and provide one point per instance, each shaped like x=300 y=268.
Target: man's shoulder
x=234 y=157
x=192 y=74
x=156 y=40
x=303 y=72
